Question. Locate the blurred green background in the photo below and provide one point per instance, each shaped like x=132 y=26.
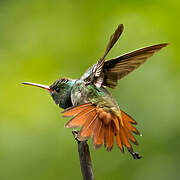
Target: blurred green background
x=41 y=41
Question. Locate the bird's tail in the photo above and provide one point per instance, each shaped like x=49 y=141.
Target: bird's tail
x=102 y=126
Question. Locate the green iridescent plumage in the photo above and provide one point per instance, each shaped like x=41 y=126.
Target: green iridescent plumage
x=61 y=92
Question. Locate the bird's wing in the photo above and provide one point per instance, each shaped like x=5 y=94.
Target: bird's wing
x=96 y=70
x=116 y=68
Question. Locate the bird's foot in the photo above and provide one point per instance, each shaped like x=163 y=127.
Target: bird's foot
x=75 y=134
x=135 y=155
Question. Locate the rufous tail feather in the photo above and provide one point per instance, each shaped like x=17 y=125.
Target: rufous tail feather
x=102 y=126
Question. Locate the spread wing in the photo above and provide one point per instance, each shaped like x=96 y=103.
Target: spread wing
x=116 y=68
x=108 y=73
x=96 y=74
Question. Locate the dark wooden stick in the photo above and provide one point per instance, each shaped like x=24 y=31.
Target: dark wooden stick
x=84 y=157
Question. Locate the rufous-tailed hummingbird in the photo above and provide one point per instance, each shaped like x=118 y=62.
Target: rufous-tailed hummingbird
x=92 y=107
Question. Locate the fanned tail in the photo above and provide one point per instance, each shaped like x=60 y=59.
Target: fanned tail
x=80 y=113
x=102 y=126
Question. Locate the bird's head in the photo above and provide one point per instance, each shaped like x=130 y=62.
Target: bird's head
x=60 y=91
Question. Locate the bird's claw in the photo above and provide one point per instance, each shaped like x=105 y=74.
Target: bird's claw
x=135 y=155
x=75 y=134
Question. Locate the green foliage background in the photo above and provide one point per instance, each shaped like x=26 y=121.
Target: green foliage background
x=41 y=41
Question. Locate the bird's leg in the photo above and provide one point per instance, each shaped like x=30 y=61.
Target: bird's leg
x=135 y=155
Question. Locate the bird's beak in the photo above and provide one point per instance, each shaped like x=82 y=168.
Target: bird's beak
x=38 y=85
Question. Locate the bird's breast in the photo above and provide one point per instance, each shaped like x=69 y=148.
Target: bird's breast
x=82 y=93
x=79 y=93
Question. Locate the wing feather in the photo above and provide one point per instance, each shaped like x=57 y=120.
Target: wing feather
x=118 y=67
x=113 y=39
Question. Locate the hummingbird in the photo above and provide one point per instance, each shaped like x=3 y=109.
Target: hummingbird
x=90 y=105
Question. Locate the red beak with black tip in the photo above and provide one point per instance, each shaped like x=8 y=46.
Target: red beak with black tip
x=38 y=85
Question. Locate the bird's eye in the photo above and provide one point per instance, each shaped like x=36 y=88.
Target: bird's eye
x=57 y=90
